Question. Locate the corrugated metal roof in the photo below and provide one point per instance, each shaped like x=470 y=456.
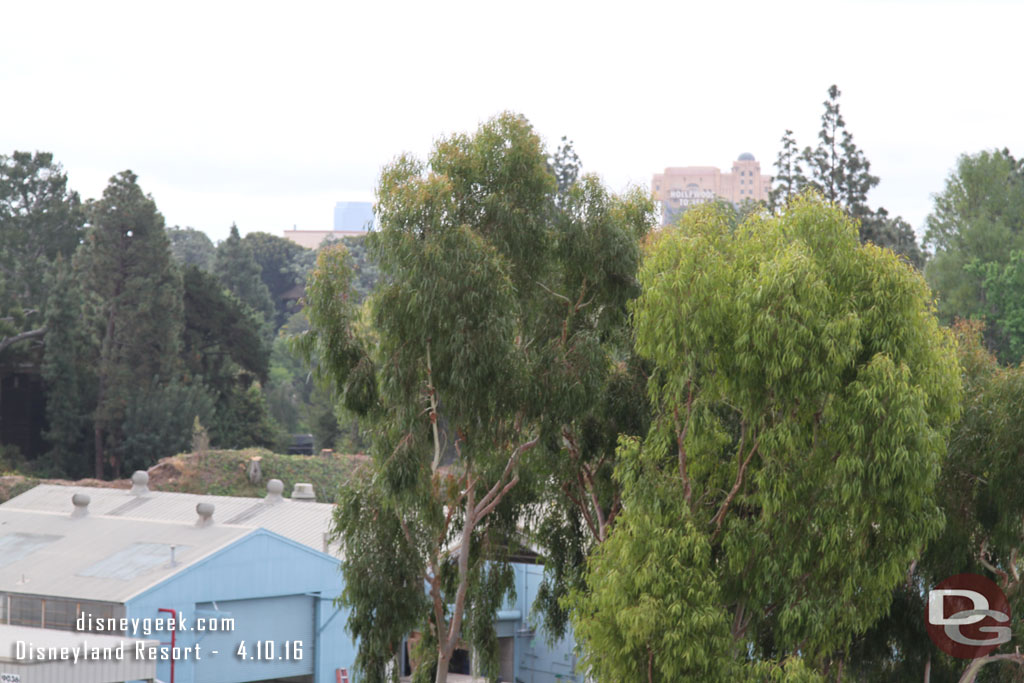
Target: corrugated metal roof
x=305 y=522
x=45 y=637
x=101 y=558
x=132 y=561
x=13 y=547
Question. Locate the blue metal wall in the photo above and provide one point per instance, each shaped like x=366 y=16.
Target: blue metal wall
x=258 y=566
x=536 y=662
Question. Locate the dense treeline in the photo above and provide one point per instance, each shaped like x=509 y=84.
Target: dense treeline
x=142 y=334
x=745 y=446
x=747 y=455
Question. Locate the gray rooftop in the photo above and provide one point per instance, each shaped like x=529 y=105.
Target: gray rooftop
x=101 y=558
x=119 y=543
x=305 y=522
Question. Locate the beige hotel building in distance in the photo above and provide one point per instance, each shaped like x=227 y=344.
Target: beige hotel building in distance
x=679 y=188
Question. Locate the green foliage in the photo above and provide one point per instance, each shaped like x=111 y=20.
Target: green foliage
x=242 y=418
x=11 y=459
x=191 y=247
x=40 y=219
x=803 y=393
x=158 y=423
x=979 y=496
x=222 y=335
x=976 y=228
x=127 y=270
x=838 y=170
x=223 y=473
x=652 y=609
x=499 y=317
x=380 y=568
x=283 y=265
x=789 y=175
x=237 y=268
x=365 y=273
x=565 y=166
x=330 y=344
x=225 y=350
x=70 y=376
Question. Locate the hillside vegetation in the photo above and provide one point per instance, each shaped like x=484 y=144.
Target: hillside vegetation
x=221 y=473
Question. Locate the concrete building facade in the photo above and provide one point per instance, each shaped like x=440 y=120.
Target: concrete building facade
x=679 y=188
x=351 y=219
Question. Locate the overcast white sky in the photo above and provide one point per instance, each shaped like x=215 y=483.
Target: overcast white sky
x=267 y=113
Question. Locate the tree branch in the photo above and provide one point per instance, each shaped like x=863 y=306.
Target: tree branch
x=983 y=559
x=681 y=439
x=972 y=670
x=499 y=489
x=584 y=509
x=460 y=593
x=720 y=515
x=602 y=522
x=28 y=334
x=433 y=413
x=556 y=294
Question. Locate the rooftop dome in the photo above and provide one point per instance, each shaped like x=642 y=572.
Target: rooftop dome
x=746 y=156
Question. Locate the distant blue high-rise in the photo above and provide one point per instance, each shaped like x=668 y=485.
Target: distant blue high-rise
x=353 y=216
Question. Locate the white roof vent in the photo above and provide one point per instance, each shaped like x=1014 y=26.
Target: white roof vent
x=275 y=487
x=140 y=483
x=303 y=492
x=205 y=512
x=81 y=503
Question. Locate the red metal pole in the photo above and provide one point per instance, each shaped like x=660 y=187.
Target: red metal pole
x=174 y=615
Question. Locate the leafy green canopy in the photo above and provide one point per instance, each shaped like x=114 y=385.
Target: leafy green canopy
x=237 y=268
x=442 y=377
x=499 y=320
x=979 y=493
x=803 y=391
x=977 y=232
x=283 y=264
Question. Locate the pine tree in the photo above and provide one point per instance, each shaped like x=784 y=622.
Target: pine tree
x=839 y=171
x=238 y=270
x=127 y=267
x=39 y=220
x=789 y=174
x=69 y=374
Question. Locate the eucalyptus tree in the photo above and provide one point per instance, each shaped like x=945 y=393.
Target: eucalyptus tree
x=480 y=361
x=802 y=393
x=984 y=532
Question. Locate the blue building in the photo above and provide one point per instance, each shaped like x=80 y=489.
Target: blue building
x=354 y=216
x=242 y=579
x=257 y=574
x=524 y=655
